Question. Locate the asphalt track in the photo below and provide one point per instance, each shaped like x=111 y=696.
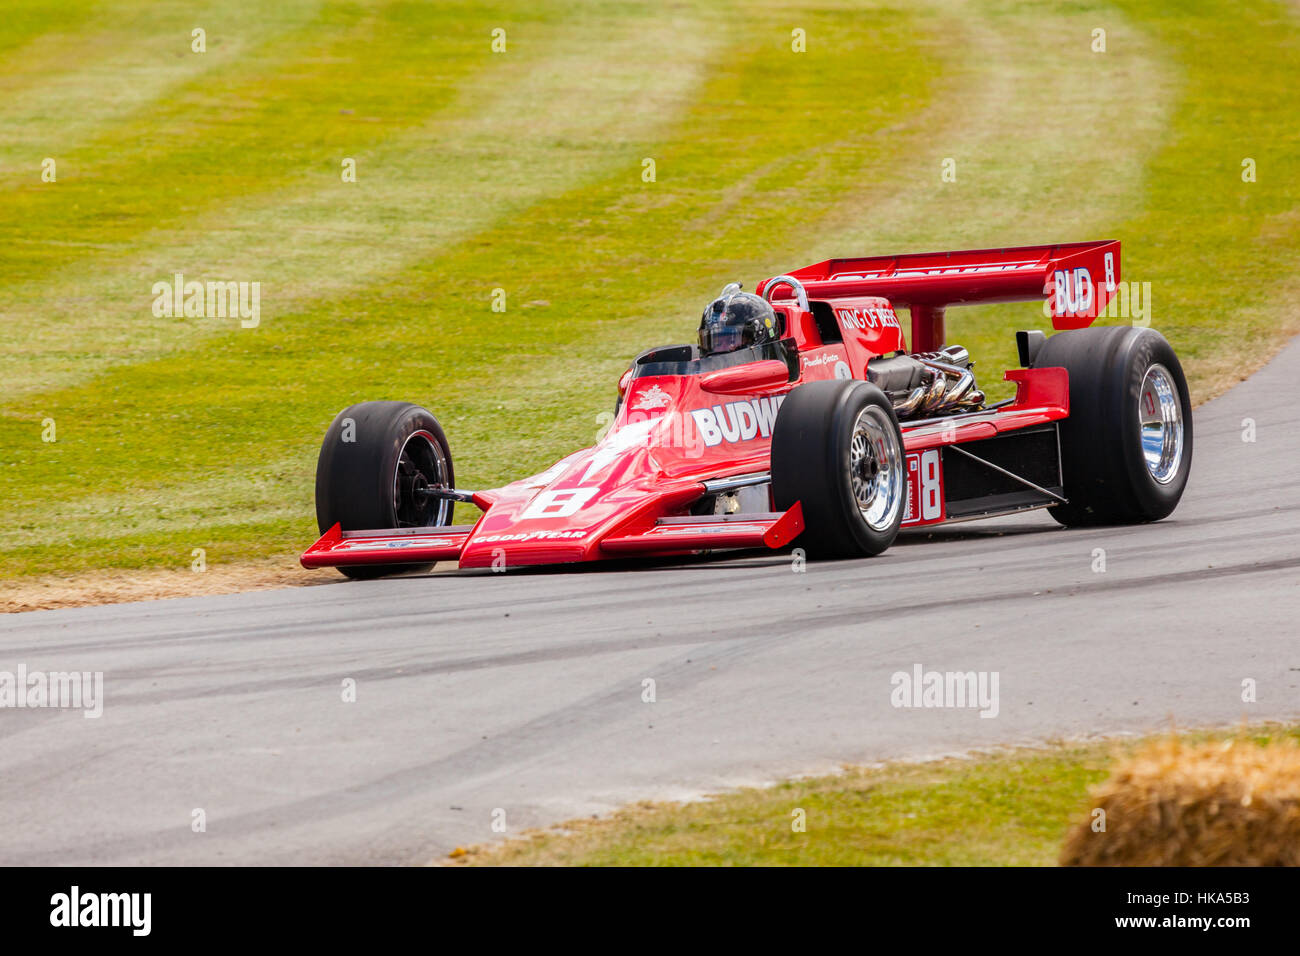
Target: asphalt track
x=523 y=692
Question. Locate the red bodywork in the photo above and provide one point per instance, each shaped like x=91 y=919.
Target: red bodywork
x=632 y=493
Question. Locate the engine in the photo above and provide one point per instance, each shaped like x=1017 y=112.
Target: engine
x=928 y=384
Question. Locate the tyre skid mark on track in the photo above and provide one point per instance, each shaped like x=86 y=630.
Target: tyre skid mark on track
x=1116 y=545
x=786 y=628
x=474 y=611
x=531 y=741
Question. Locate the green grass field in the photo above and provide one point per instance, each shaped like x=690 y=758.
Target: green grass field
x=522 y=171
x=1009 y=809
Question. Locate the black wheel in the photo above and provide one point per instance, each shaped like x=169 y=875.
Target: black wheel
x=1126 y=449
x=375 y=463
x=837 y=449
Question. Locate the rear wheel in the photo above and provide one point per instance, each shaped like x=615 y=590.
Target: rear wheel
x=837 y=449
x=376 y=463
x=1126 y=449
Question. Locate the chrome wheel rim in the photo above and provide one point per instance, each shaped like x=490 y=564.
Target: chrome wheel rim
x=876 y=468
x=420 y=466
x=1160 y=423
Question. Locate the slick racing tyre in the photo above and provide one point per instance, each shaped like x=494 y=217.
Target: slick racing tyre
x=837 y=449
x=377 y=460
x=1126 y=448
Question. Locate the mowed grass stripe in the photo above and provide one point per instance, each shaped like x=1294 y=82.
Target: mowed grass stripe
x=39 y=22
x=1221 y=253
x=70 y=84
x=604 y=253
x=240 y=129
x=518 y=127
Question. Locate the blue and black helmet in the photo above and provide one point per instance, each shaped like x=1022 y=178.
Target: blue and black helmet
x=736 y=320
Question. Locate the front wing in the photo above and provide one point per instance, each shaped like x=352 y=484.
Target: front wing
x=666 y=536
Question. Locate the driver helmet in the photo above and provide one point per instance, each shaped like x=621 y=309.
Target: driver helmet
x=736 y=320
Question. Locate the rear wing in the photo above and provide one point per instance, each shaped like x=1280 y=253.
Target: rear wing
x=1077 y=279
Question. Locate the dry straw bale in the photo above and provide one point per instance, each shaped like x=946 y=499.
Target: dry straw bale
x=1224 y=803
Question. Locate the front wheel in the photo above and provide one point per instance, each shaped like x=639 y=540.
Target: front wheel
x=1126 y=448
x=837 y=449
x=376 y=464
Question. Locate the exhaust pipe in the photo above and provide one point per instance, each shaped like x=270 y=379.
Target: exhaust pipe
x=952 y=386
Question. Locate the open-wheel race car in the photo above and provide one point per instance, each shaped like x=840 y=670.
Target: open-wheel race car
x=801 y=417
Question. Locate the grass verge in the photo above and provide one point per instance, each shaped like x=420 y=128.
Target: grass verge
x=1006 y=809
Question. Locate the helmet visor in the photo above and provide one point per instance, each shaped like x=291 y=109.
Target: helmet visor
x=716 y=338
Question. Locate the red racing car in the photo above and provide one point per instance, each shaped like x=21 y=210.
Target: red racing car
x=802 y=417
